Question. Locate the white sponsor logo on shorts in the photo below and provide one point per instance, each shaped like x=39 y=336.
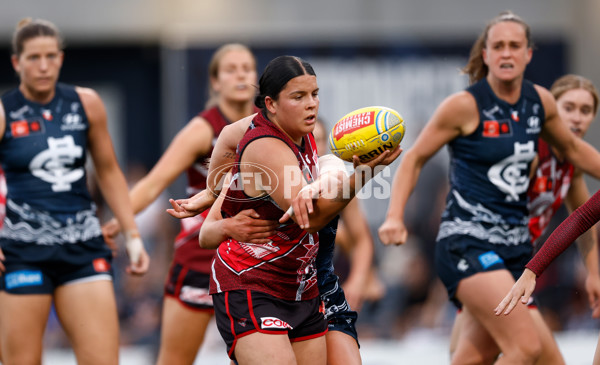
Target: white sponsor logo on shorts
x=273 y=322
x=189 y=294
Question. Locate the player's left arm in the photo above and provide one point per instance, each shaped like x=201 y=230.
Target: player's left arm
x=109 y=175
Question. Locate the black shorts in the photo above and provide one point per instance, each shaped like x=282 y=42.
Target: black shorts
x=35 y=269
x=338 y=314
x=459 y=256
x=242 y=312
x=189 y=287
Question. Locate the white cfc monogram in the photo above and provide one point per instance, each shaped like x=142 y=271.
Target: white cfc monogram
x=54 y=164
x=510 y=175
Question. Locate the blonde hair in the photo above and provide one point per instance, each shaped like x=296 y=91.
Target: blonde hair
x=573 y=82
x=213 y=68
x=29 y=28
x=476 y=68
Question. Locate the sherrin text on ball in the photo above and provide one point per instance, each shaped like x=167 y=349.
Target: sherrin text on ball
x=366 y=132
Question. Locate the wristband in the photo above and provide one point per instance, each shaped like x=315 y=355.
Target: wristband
x=133 y=245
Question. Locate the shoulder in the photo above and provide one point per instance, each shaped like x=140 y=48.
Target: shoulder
x=462 y=101
x=458 y=110
x=87 y=94
x=198 y=122
x=199 y=125
x=92 y=103
x=242 y=124
x=266 y=147
x=545 y=96
x=235 y=131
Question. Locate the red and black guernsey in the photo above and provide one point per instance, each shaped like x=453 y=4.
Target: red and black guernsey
x=582 y=219
x=285 y=267
x=547 y=190
x=187 y=248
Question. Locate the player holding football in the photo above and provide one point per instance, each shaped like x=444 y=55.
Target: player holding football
x=289 y=93
x=483 y=243
x=341 y=338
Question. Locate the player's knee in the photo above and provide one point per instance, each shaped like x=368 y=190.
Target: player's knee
x=526 y=351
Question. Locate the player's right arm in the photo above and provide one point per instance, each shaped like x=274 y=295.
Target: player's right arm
x=457 y=115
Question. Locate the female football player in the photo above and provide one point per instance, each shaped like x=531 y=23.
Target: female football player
x=492 y=130
x=53 y=248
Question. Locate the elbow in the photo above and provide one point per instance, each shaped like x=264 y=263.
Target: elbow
x=205 y=243
x=209 y=246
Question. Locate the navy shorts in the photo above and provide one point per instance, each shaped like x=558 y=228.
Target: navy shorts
x=37 y=269
x=338 y=314
x=189 y=287
x=242 y=312
x=459 y=256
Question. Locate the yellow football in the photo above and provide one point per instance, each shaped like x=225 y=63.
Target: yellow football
x=366 y=132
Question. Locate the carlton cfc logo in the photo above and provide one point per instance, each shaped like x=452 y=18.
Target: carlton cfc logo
x=55 y=164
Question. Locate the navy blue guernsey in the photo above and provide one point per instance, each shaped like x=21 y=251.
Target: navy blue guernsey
x=43 y=154
x=324 y=262
x=489 y=169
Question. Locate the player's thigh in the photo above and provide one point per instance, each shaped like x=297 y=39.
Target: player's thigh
x=342 y=349
x=261 y=348
x=87 y=311
x=311 y=352
x=182 y=332
x=23 y=320
x=482 y=292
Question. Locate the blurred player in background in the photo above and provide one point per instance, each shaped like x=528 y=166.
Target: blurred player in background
x=483 y=243
x=556 y=180
x=187 y=307
x=577 y=100
x=51 y=239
